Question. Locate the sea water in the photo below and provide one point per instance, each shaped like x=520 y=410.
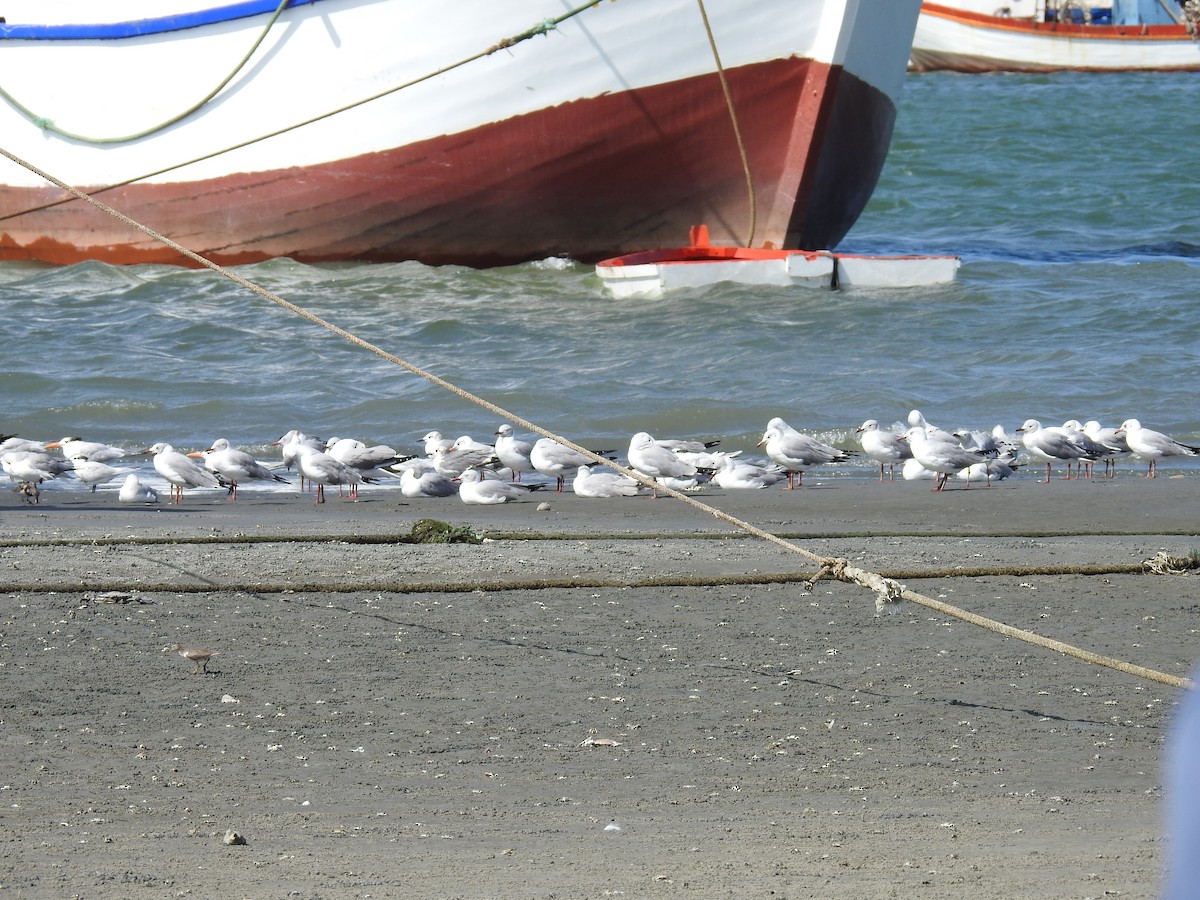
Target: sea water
x=1071 y=198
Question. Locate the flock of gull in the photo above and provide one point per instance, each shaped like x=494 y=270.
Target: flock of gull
x=480 y=472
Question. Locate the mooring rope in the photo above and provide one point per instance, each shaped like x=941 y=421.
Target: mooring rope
x=737 y=131
x=886 y=590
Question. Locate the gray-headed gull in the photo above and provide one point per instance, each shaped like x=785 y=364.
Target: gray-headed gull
x=179 y=471
x=1151 y=446
x=289 y=447
x=433 y=440
x=795 y=451
x=372 y=461
x=464 y=453
x=730 y=473
x=234 y=466
x=513 y=452
x=883 y=447
x=601 y=485
x=554 y=460
x=916 y=419
x=651 y=459
x=475 y=489
x=429 y=483
x=1051 y=445
x=1111 y=438
x=321 y=469
x=944 y=458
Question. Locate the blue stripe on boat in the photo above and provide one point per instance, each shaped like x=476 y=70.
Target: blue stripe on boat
x=114 y=30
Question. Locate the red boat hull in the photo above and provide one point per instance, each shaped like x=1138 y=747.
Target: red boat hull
x=588 y=179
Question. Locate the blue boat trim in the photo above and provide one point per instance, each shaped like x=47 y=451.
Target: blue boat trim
x=140 y=27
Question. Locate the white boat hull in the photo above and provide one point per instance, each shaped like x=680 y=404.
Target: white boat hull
x=606 y=134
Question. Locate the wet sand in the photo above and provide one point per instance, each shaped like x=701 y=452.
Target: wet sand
x=604 y=698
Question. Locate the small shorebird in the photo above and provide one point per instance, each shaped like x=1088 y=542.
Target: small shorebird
x=194 y=654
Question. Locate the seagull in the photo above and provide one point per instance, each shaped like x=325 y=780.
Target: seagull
x=735 y=474
x=433 y=440
x=289 y=447
x=321 y=469
x=460 y=455
x=233 y=466
x=369 y=461
x=1151 y=446
x=995 y=469
x=426 y=484
x=686 y=446
x=883 y=447
x=795 y=452
x=917 y=420
x=1110 y=438
x=1050 y=445
x=180 y=471
x=512 y=452
x=653 y=460
x=476 y=490
x=94 y=472
x=74 y=448
x=33 y=467
x=943 y=457
x=601 y=485
x=194 y=654
x=1095 y=449
x=134 y=491
x=554 y=460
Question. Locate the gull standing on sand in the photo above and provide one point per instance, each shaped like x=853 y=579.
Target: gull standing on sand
x=234 y=466
x=512 y=452
x=1051 y=445
x=1117 y=446
x=795 y=452
x=180 y=471
x=554 y=460
x=414 y=484
x=289 y=447
x=321 y=469
x=883 y=447
x=94 y=472
x=370 y=461
x=1151 y=446
x=942 y=457
x=601 y=485
x=134 y=491
x=476 y=490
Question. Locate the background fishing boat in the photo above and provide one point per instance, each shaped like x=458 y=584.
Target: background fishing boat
x=473 y=132
x=1052 y=35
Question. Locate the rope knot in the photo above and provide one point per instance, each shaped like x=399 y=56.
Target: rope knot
x=43 y=123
